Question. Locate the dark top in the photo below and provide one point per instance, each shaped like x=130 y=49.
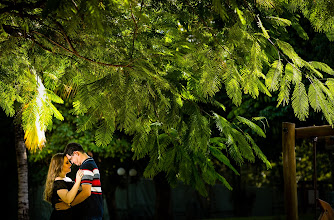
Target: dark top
x=61 y=214
x=92 y=207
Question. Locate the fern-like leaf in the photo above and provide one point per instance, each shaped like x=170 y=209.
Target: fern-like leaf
x=266 y=3
x=322 y=66
x=233 y=91
x=297 y=74
x=53 y=97
x=219 y=8
x=232 y=85
x=330 y=85
x=258 y=151
x=284 y=94
x=104 y=133
x=288 y=50
x=315 y=96
x=274 y=75
x=300 y=102
x=223 y=180
x=280 y=21
x=298 y=28
x=252 y=126
x=222 y=158
x=235 y=153
x=244 y=147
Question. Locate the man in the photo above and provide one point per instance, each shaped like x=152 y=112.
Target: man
x=88 y=204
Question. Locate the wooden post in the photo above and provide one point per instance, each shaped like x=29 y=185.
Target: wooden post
x=315 y=179
x=289 y=171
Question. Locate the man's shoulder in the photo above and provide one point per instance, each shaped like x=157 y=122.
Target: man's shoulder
x=89 y=163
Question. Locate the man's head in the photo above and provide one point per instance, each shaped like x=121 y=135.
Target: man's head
x=74 y=153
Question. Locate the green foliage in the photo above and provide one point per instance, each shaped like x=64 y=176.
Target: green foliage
x=239 y=144
x=304 y=161
x=300 y=101
x=63 y=132
x=320 y=13
x=157 y=71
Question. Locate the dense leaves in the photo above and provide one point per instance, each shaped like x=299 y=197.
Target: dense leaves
x=155 y=70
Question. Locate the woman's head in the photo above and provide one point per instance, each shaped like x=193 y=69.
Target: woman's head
x=56 y=164
x=59 y=165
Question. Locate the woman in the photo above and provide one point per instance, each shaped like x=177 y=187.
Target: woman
x=59 y=187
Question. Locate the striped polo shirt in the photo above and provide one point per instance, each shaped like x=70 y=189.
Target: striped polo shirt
x=91 y=175
x=93 y=205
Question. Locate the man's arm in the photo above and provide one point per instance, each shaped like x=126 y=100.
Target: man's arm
x=62 y=205
x=83 y=195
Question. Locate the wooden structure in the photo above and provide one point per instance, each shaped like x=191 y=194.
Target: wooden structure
x=327 y=211
x=289 y=136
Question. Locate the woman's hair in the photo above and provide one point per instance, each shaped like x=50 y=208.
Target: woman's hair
x=55 y=168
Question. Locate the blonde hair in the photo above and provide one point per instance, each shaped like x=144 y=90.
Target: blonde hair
x=55 y=168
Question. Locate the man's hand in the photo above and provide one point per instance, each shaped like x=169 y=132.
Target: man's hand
x=62 y=206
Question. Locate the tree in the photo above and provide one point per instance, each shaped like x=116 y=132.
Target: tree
x=155 y=70
x=33 y=111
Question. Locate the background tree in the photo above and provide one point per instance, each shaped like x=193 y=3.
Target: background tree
x=24 y=96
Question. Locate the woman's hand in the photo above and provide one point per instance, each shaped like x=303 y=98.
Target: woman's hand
x=79 y=175
x=68 y=196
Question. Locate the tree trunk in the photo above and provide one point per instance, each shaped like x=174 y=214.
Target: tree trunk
x=22 y=172
x=163 y=208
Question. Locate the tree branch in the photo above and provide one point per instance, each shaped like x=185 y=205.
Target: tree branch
x=66 y=37
x=78 y=55
x=18 y=9
x=278 y=50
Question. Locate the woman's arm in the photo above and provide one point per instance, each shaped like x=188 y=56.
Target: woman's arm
x=83 y=195
x=68 y=196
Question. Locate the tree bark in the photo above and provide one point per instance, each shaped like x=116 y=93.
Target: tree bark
x=22 y=172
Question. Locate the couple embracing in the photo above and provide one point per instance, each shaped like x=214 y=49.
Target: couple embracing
x=82 y=198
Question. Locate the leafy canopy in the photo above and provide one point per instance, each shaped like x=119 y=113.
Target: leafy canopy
x=159 y=71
